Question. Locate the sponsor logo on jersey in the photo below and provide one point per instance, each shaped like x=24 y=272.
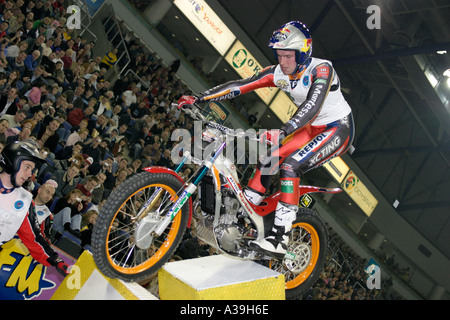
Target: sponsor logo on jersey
x=287 y=186
x=323 y=72
x=306 y=81
x=326 y=151
x=282 y=84
x=311 y=146
x=18 y=205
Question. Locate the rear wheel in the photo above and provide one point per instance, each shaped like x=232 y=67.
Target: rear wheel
x=308 y=245
x=123 y=246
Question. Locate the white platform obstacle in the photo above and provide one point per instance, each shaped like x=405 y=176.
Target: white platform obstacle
x=219 y=277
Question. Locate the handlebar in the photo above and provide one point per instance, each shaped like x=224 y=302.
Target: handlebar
x=195 y=113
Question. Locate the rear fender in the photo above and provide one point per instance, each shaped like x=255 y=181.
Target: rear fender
x=312 y=189
x=270 y=203
x=173 y=173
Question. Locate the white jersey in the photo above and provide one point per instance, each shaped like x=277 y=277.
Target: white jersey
x=42 y=212
x=14 y=207
x=335 y=106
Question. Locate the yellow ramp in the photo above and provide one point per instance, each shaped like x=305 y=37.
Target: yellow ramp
x=219 y=277
x=86 y=282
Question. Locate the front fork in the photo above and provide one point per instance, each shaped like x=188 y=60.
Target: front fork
x=188 y=191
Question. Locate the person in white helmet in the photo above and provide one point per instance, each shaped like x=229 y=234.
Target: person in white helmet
x=321 y=128
x=18 y=215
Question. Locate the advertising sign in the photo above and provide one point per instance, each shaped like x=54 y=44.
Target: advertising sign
x=359 y=193
x=216 y=112
x=208 y=23
x=23 y=278
x=337 y=168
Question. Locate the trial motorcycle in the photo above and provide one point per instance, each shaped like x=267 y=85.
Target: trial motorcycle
x=142 y=223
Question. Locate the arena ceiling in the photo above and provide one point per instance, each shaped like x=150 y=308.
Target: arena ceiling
x=392 y=77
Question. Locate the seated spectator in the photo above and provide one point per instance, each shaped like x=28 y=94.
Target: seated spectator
x=93 y=149
x=120 y=147
x=98 y=126
x=78 y=114
x=105 y=106
x=88 y=161
x=31 y=62
x=35 y=45
x=109 y=60
x=121 y=177
x=166 y=160
x=48 y=135
x=8 y=102
x=16 y=22
x=86 y=189
x=43 y=197
x=29 y=32
x=165 y=140
x=16 y=119
x=76 y=159
x=67 y=180
x=137 y=111
x=120 y=163
x=12 y=80
x=68 y=213
x=112 y=136
x=17 y=63
x=97 y=192
x=129 y=97
x=22 y=135
x=151 y=154
x=140 y=140
x=35 y=79
x=136 y=165
x=105 y=166
x=87 y=226
x=4 y=125
x=67 y=59
x=37 y=117
x=77 y=136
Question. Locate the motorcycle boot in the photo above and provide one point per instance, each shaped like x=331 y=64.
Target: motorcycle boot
x=253 y=196
x=275 y=244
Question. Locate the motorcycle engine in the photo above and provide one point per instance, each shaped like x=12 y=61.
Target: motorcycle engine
x=230 y=227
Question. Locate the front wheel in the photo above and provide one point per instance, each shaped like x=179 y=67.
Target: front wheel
x=307 y=247
x=122 y=240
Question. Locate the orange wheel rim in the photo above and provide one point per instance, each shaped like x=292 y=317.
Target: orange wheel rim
x=162 y=250
x=314 y=246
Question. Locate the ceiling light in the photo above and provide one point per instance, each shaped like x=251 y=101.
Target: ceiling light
x=447 y=74
x=396 y=203
x=441 y=52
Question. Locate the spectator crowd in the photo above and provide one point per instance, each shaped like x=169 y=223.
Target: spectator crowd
x=93 y=133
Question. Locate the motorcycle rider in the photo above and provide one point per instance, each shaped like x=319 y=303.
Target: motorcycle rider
x=18 y=215
x=321 y=128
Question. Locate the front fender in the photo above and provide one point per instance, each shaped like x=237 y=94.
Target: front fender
x=173 y=173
